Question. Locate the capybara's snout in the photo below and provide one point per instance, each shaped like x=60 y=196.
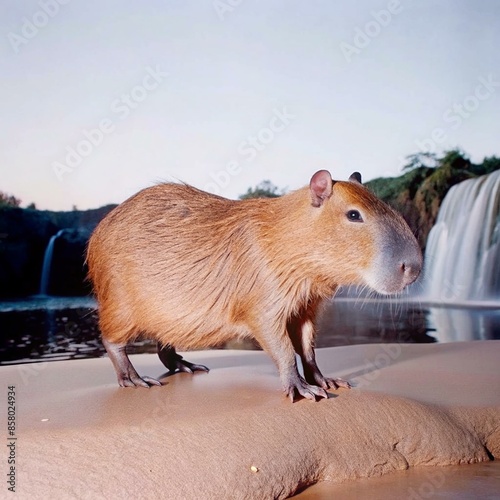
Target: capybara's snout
x=398 y=264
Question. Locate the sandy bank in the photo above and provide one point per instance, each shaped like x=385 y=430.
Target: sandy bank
x=231 y=433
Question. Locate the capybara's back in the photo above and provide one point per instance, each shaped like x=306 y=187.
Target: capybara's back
x=193 y=270
x=178 y=265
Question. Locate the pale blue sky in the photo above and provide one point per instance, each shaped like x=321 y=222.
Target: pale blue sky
x=220 y=83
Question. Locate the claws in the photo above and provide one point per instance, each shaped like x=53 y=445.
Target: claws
x=176 y=363
x=151 y=381
x=313 y=387
x=125 y=372
x=335 y=383
x=307 y=391
x=315 y=377
x=185 y=366
x=342 y=383
x=136 y=381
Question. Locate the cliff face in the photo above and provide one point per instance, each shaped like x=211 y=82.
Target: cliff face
x=418 y=194
x=24 y=236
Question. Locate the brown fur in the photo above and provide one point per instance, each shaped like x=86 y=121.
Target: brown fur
x=193 y=270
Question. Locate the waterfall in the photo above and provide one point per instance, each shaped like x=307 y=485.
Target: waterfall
x=463 y=249
x=47 y=263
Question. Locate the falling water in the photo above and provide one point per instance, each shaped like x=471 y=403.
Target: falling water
x=47 y=263
x=463 y=250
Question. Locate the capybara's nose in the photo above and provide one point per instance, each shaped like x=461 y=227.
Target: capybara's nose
x=411 y=270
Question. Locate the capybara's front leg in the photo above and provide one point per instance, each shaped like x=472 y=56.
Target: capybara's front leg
x=302 y=331
x=294 y=384
x=175 y=362
x=280 y=348
x=313 y=375
x=125 y=372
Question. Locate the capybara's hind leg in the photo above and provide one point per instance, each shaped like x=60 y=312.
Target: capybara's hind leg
x=175 y=362
x=125 y=372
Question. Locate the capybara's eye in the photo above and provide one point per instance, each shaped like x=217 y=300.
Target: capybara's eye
x=354 y=216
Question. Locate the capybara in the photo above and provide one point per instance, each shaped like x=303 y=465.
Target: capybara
x=193 y=270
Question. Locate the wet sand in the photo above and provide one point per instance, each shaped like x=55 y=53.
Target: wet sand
x=414 y=409
x=454 y=482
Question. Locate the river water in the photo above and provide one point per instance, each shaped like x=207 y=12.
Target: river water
x=46 y=329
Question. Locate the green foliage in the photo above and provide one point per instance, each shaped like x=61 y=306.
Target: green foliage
x=7 y=200
x=454 y=160
x=389 y=188
x=489 y=164
x=419 y=160
x=443 y=172
x=418 y=193
x=266 y=189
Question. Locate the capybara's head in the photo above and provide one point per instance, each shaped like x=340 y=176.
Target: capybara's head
x=372 y=242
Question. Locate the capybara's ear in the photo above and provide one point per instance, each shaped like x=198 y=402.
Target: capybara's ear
x=321 y=187
x=355 y=177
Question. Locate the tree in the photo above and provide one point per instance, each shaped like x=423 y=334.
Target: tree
x=417 y=160
x=7 y=200
x=266 y=189
x=490 y=164
x=455 y=159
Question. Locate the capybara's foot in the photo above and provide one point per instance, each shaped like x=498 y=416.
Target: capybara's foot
x=302 y=388
x=335 y=383
x=134 y=380
x=182 y=365
x=329 y=383
x=315 y=377
x=176 y=363
x=125 y=372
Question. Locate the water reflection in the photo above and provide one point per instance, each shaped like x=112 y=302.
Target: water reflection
x=50 y=329
x=453 y=324
x=359 y=321
x=53 y=328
